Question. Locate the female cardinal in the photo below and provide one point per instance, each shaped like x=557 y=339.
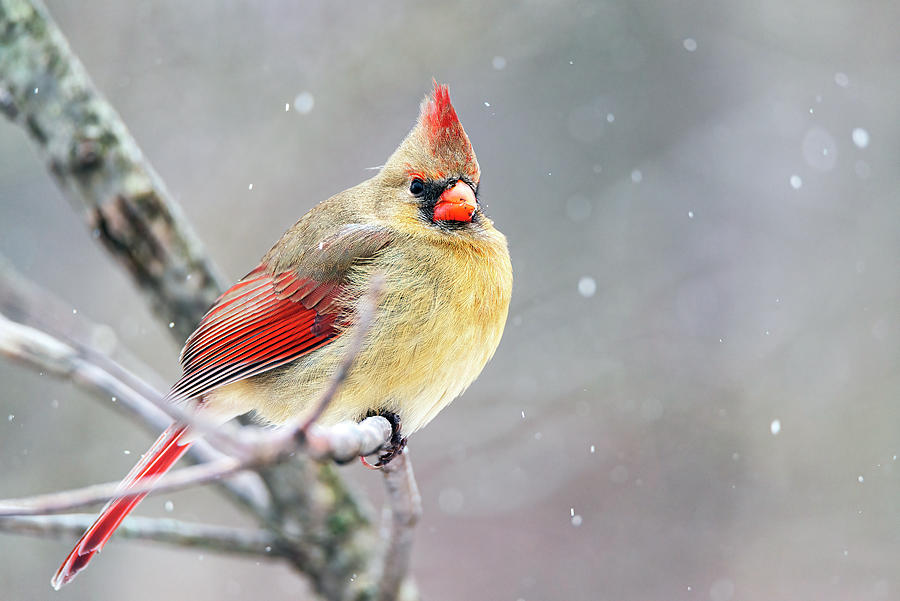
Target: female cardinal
x=271 y=343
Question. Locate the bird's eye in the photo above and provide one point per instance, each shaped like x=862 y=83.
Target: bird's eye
x=417 y=187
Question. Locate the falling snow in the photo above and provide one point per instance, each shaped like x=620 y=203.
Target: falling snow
x=860 y=137
x=637 y=176
x=796 y=182
x=690 y=44
x=587 y=286
x=304 y=102
x=499 y=63
x=775 y=427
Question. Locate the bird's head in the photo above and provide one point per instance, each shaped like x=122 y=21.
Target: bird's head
x=433 y=177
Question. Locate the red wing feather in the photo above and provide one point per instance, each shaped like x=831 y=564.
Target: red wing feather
x=260 y=323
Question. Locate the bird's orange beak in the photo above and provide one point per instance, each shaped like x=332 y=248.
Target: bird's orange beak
x=456 y=204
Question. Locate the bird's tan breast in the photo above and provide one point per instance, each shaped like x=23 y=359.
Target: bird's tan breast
x=440 y=321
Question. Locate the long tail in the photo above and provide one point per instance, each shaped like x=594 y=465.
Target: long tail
x=155 y=462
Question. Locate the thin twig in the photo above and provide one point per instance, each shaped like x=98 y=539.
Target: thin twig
x=67 y=360
x=339 y=443
x=220 y=539
x=365 y=313
x=64 y=355
x=59 y=502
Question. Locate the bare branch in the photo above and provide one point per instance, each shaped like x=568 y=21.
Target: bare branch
x=405 y=507
x=219 y=539
x=59 y=502
x=97 y=372
x=42 y=351
x=341 y=443
x=365 y=313
x=346 y=441
x=93 y=370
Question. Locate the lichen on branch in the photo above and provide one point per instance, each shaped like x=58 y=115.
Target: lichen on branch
x=100 y=168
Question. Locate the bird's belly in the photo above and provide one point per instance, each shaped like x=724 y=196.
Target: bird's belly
x=427 y=370
x=413 y=371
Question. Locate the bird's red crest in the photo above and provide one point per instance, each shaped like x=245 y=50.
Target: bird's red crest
x=443 y=130
x=439 y=116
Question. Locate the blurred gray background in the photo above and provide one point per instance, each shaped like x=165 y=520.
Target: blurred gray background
x=696 y=395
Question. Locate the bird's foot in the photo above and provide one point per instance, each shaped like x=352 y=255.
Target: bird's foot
x=396 y=444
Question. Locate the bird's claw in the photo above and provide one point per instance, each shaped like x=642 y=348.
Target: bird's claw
x=393 y=450
x=394 y=447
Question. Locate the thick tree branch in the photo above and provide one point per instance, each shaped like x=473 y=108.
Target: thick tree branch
x=95 y=160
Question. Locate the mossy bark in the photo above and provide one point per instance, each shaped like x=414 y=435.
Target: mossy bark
x=98 y=165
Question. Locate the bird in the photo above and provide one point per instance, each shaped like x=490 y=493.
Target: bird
x=271 y=343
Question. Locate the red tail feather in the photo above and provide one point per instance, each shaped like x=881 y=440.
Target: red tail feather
x=155 y=462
